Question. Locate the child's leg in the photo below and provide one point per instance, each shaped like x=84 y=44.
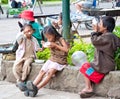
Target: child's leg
x=32 y=88
x=88 y=86
x=88 y=90
x=17 y=70
x=26 y=68
x=39 y=77
x=48 y=77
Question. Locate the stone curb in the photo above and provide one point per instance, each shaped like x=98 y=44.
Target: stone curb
x=68 y=80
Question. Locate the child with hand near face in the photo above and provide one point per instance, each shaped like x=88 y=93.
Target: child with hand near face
x=57 y=61
x=105 y=43
x=25 y=54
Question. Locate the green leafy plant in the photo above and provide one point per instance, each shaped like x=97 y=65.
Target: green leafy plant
x=4 y=1
x=45 y=54
x=117 y=59
x=117 y=53
x=117 y=31
x=79 y=45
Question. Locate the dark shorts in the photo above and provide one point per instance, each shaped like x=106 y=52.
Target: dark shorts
x=90 y=73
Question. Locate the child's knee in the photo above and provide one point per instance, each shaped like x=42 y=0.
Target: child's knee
x=51 y=72
x=15 y=68
x=42 y=72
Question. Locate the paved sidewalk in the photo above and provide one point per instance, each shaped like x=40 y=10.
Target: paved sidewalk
x=10 y=91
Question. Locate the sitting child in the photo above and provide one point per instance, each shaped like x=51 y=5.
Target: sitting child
x=25 y=54
x=105 y=43
x=57 y=61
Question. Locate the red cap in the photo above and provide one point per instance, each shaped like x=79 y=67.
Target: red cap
x=28 y=15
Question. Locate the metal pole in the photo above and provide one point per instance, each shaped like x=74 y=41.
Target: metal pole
x=66 y=19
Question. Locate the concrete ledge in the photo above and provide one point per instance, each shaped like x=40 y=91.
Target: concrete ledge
x=68 y=80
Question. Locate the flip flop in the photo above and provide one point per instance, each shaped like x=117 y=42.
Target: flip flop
x=86 y=94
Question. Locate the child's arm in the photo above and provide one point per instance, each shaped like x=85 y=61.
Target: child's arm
x=101 y=41
x=55 y=24
x=36 y=45
x=20 y=38
x=64 y=46
x=41 y=49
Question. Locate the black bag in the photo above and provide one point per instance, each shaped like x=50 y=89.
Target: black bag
x=9 y=48
x=1 y=10
x=15 y=47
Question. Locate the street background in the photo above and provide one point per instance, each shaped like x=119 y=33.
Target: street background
x=9 y=26
x=8 y=31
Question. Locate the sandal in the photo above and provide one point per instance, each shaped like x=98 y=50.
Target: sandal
x=33 y=90
x=86 y=94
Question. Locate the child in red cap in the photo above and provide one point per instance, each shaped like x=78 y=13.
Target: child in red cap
x=27 y=16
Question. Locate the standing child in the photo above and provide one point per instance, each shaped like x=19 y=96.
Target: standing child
x=25 y=53
x=57 y=61
x=105 y=43
x=27 y=16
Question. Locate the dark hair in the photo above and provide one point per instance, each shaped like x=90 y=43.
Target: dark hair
x=27 y=25
x=52 y=31
x=109 y=23
x=60 y=15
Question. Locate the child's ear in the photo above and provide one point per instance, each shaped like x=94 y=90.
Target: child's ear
x=20 y=25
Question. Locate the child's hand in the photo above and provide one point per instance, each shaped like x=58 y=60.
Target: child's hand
x=28 y=35
x=95 y=25
x=55 y=24
x=40 y=49
x=95 y=28
x=42 y=42
x=52 y=45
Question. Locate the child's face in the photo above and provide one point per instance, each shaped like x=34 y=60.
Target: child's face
x=50 y=38
x=28 y=31
x=102 y=29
